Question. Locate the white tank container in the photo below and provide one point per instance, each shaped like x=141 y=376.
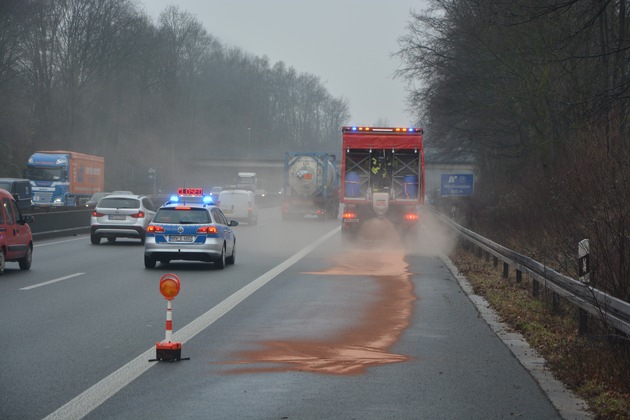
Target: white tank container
x=306 y=175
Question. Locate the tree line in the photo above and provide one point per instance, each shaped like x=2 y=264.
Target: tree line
x=536 y=92
x=100 y=77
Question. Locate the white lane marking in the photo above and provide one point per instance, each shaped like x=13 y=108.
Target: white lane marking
x=36 y=245
x=81 y=405
x=46 y=283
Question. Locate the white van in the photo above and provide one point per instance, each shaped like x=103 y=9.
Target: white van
x=239 y=205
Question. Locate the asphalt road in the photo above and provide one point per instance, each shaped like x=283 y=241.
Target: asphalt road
x=298 y=328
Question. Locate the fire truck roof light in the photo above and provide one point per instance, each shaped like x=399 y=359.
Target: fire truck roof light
x=355 y=128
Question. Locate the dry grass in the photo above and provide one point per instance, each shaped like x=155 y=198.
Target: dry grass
x=596 y=367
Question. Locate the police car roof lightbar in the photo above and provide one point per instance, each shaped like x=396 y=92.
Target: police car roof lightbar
x=192 y=194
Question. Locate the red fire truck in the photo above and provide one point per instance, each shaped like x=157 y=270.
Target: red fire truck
x=382 y=169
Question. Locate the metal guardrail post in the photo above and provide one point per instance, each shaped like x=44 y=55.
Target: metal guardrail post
x=582 y=321
x=555 y=302
x=506 y=268
x=535 y=288
x=519 y=276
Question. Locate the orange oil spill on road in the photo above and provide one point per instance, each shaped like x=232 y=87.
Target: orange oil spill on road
x=367 y=344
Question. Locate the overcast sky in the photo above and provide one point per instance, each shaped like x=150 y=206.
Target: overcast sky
x=346 y=43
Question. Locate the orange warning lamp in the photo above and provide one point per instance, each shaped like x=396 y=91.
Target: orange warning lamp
x=169 y=286
x=169 y=350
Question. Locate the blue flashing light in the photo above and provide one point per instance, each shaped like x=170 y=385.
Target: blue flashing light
x=354 y=129
x=207 y=199
x=174 y=199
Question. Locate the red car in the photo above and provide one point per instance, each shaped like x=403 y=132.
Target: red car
x=16 y=240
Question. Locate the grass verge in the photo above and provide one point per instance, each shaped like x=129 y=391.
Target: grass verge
x=596 y=366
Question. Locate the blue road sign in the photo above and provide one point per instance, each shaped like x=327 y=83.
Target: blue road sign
x=457 y=184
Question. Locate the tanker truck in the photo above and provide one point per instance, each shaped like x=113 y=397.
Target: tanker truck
x=311 y=186
x=383 y=177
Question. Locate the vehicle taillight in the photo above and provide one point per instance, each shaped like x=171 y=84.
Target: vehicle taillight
x=350 y=215
x=155 y=229
x=138 y=215
x=411 y=216
x=97 y=214
x=208 y=230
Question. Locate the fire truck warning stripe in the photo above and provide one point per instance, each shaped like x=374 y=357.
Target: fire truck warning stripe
x=84 y=403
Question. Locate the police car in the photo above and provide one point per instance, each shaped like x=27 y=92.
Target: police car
x=190 y=227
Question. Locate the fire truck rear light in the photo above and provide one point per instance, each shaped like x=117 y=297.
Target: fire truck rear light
x=350 y=216
x=411 y=216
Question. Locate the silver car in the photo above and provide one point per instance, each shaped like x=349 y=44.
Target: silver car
x=191 y=231
x=96 y=197
x=121 y=216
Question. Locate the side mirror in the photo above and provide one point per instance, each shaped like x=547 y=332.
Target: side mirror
x=233 y=223
x=28 y=218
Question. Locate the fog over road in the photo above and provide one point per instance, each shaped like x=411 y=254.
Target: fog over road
x=300 y=327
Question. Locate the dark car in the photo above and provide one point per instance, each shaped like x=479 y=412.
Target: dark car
x=192 y=231
x=20 y=189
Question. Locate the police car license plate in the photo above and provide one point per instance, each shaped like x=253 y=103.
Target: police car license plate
x=117 y=217
x=181 y=238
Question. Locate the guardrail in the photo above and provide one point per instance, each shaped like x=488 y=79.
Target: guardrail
x=613 y=311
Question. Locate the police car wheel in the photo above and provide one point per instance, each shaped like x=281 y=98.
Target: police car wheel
x=149 y=262
x=232 y=258
x=219 y=263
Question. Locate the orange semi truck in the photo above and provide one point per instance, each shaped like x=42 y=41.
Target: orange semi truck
x=382 y=169
x=63 y=178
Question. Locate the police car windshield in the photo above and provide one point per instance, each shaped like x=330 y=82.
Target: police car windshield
x=182 y=216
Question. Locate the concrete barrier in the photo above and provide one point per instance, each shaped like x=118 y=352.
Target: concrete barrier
x=60 y=223
x=52 y=223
